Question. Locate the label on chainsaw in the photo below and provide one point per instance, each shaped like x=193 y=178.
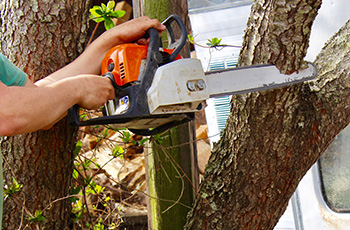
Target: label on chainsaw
x=123 y=105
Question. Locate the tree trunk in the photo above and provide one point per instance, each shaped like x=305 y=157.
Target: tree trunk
x=40 y=37
x=272 y=138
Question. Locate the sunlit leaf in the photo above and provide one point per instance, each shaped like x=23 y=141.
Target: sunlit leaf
x=108 y=23
x=75 y=174
x=117 y=14
x=103 y=7
x=110 y=5
x=96 y=11
x=78 y=147
x=101 y=19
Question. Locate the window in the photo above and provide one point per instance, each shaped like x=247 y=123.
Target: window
x=335 y=173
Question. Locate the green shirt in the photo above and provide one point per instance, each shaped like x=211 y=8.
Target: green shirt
x=10 y=75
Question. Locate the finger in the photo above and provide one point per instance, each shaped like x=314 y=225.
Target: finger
x=142 y=41
x=157 y=25
x=111 y=95
x=160 y=28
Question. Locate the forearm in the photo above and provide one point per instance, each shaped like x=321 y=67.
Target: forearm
x=89 y=62
x=27 y=109
x=31 y=108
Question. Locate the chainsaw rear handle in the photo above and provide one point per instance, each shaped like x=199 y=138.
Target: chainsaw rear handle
x=173 y=43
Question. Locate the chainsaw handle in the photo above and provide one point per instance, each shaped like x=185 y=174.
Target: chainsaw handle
x=73 y=112
x=176 y=44
x=153 y=46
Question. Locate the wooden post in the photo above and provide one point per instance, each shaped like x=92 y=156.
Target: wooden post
x=123 y=5
x=171 y=193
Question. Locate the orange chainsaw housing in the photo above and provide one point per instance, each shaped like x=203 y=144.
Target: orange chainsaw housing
x=126 y=62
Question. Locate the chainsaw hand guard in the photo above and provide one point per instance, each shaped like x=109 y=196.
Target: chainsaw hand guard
x=176 y=44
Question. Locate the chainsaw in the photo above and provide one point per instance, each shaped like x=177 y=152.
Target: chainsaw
x=156 y=89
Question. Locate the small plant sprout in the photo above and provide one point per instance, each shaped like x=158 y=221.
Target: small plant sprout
x=214 y=42
x=106 y=13
x=14 y=188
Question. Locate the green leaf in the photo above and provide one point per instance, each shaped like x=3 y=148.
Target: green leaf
x=76 y=190
x=105 y=133
x=14 y=188
x=117 y=14
x=110 y=5
x=87 y=163
x=95 y=7
x=99 y=226
x=75 y=174
x=126 y=137
x=99 y=189
x=77 y=149
x=83 y=116
x=103 y=8
x=108 y=23
x=143 y=141
x=87 y=180
x=38 y=216
x=96 y=12
x=101 y=19
x=190 y=37
x=99 y=12
x=117 y=151
x=214 y=42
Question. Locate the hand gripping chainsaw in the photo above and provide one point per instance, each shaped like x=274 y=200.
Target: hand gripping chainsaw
x=156 y=89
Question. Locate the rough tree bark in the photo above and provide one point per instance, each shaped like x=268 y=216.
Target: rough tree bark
x=39 y=37
x=272 y=138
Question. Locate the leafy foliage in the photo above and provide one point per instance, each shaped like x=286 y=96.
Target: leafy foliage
x=14 y=188
x=38 y=217
x=106 y=13
x=93 y=205
x=214 y=42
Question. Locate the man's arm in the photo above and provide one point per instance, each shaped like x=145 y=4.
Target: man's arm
x=27 y=109
x=39 y=105
x=89 y=62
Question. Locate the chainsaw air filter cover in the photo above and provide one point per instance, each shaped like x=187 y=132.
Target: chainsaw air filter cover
x=127 y=62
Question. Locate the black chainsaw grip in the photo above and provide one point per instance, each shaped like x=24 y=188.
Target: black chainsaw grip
x=73 y=115
x=153 y=46
x=173 y=43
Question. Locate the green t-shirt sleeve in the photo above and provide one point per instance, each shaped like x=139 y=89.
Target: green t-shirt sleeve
x=10 y=75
